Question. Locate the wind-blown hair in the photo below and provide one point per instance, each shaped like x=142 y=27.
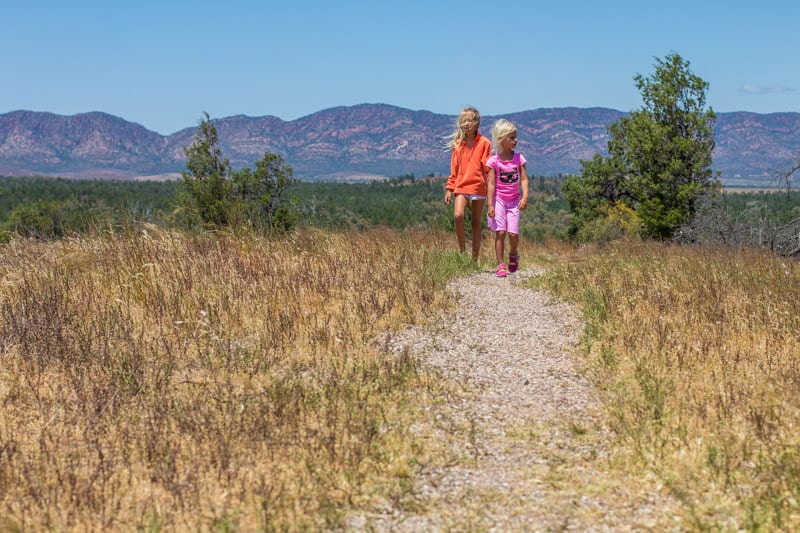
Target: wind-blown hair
x=467 y=115
x=500 y=130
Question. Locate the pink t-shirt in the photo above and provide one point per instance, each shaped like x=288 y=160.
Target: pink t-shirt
x=507 y=175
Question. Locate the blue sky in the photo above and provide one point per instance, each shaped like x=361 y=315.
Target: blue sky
x=163 y=63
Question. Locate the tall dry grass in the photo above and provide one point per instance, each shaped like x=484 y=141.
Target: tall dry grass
x=697 y=354
x=167 y=381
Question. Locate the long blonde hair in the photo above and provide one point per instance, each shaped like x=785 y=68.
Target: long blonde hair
x=457 y=138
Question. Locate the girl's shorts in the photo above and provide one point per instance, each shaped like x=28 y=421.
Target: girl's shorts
x=506 y=216
x=471 y=197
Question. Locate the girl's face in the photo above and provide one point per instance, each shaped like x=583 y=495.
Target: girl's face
x=509 y=142
x=469 y=124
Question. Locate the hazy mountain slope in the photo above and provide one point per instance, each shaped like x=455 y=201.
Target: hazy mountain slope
x=362 y=139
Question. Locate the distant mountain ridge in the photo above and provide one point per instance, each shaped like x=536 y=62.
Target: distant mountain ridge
x=362 y=140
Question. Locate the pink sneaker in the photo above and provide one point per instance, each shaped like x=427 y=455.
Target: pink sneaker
x=513 y=262
x=501 y=270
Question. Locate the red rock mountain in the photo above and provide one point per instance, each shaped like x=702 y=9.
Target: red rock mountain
x=363 y=140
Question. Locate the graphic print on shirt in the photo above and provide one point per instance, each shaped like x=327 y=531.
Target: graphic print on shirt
x=509 y=176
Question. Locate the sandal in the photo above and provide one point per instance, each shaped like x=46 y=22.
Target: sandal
x=501 y=270
x=513 y=262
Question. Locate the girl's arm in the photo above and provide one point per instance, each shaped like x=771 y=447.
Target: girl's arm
x=523 y=202
x=451 y=179
x=486 y=154
x=490 y=185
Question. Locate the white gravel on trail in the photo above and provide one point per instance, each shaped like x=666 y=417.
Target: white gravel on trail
x=525 y=448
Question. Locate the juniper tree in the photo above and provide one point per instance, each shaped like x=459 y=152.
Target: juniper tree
x=219 y=196
x=659 y=157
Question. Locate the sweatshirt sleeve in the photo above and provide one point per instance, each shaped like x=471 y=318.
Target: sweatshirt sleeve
x=451 y=180
x=487 y=153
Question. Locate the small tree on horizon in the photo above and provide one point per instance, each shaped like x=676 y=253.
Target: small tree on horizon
x=220 y=197
x=263 y=192
x=659 y=157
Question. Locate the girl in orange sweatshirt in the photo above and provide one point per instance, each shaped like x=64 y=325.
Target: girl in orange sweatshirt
x=467 y=180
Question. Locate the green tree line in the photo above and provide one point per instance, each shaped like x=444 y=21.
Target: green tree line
x=56 y=207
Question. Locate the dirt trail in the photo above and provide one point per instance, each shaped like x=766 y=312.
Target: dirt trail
x=525 y=449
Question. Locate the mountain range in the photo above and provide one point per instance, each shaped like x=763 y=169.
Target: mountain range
x=363 y=141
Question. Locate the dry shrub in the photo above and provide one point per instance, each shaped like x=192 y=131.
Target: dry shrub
x=173 y=381
x=697 y=352
x=616 y=222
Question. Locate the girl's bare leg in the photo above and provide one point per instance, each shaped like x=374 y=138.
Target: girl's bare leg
x=499 y=245
x=477 y=219
x=513 y=243
x=459 y=208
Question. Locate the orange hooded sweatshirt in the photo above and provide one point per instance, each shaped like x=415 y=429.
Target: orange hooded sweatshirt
x=468 y=167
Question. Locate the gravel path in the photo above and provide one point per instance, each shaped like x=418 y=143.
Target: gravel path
x=523 y=446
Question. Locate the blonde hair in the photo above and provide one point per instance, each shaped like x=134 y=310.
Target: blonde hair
x=500 y=130
x=458 y=137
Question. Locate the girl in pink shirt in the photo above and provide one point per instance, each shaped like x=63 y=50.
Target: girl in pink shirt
x=507 y=194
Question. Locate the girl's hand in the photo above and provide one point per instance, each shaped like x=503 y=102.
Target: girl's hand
x=447 y=197
x=491 y=211
x=523 y=203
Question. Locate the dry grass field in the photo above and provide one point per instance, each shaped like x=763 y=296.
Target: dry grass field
x=163 y=381
x=697 y=354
